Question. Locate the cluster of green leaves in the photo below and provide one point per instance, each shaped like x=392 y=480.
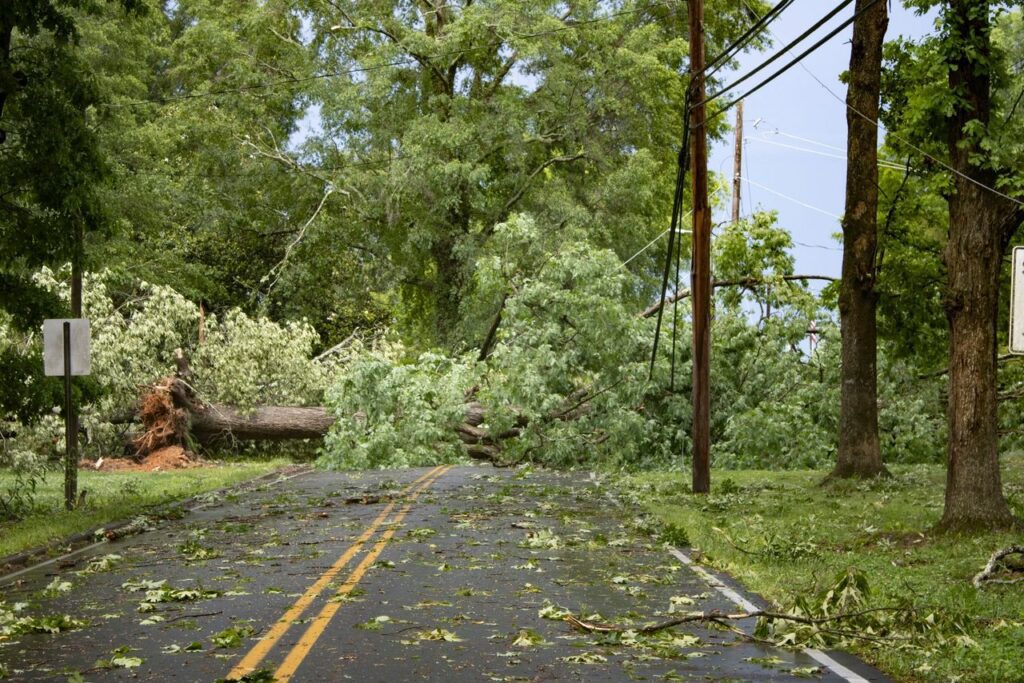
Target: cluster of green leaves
x=565 y=339
x=14 y=622
x=136 y=329
x=564 y=379
x=397 y=414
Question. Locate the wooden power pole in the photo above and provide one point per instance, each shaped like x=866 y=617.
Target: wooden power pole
x=737 y=164
x=700 y=274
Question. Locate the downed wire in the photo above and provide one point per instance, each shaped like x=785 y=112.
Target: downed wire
x=677 y=208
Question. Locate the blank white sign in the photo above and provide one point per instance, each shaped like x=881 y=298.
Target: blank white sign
x=53 y=346
x=1017 y=302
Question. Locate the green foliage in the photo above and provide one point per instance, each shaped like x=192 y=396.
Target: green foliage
x=136 y=329
x=565 y=381
x=14 y=623
x=395 y=414
x=566 y=339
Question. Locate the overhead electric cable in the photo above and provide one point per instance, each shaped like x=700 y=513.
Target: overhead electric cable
x=878 y=124
x=778 y=55
x=885 y=163
x=677 y=206
x=789 y=65
x=792 y=199
x=675 y=317
x=651 y=243
x=775 y=130
x=729 y=52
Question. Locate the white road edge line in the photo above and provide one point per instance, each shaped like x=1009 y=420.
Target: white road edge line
x=817 y=655
x=8 y=579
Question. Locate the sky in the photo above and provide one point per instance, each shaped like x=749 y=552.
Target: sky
x=792 y=107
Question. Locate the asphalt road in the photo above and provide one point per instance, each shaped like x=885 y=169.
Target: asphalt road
x=459 y=574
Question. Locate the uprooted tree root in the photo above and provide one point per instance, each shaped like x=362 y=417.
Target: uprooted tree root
x=997 y=568
x=164 y=421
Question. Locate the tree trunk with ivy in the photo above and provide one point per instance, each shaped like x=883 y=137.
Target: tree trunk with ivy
x=859 y=450
x=981 y=223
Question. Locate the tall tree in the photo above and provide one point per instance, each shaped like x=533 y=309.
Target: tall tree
x=51 y=169
x=859 y=451
x=981 y=223
x=451 y=116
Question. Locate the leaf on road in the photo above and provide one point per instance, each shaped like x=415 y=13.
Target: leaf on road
x=439 y=634
x=585 y=658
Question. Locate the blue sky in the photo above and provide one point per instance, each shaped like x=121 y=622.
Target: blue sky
x=796 y=105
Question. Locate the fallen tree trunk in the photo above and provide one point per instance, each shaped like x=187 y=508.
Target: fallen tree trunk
x=270 y=423
x=171 y=414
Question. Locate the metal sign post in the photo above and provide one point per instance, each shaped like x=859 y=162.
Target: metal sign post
x=66 y=353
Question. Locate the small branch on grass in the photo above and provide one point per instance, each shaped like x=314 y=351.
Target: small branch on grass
x=402 y=630
x=368 y=500
x=987 y=574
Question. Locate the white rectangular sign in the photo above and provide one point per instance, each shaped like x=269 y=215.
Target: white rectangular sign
x=1017 y=302
x=53 y=346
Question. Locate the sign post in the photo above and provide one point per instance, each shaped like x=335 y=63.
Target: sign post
x=1017 y=302
x=66 y=353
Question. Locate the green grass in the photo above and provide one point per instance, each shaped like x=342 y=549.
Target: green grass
x=114 y=496
x=783 y=536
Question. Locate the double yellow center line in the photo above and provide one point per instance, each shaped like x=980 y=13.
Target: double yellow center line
x=298 y=653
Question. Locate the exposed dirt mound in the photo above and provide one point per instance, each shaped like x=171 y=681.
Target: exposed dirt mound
x=163 y=459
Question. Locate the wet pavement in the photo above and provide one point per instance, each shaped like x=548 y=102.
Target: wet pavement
x=454 y=574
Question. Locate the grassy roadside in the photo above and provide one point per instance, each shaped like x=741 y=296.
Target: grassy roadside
x=114 y=496
x=784 y=536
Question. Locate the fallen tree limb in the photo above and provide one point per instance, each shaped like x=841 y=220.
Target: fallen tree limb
x=270 y=423
x=987 y=575
x=723 y=617
x=741 y=282
x=172 y=414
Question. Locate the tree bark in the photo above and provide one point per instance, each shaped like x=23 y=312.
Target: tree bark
x=6 y=77
x=270 y=423
x=213 y=423
x=859 y=449
x=981 y=223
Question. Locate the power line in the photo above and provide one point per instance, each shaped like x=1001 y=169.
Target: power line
x=796 y=60
x=885 y=163
x=778 y=55
x=817 y=246
x=878 y=124
x=651 y=243
x=775 y=130
x=793 y=199
x=729 y=52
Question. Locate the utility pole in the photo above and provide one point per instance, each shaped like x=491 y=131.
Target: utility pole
x=737 y=164
x=700 y=273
